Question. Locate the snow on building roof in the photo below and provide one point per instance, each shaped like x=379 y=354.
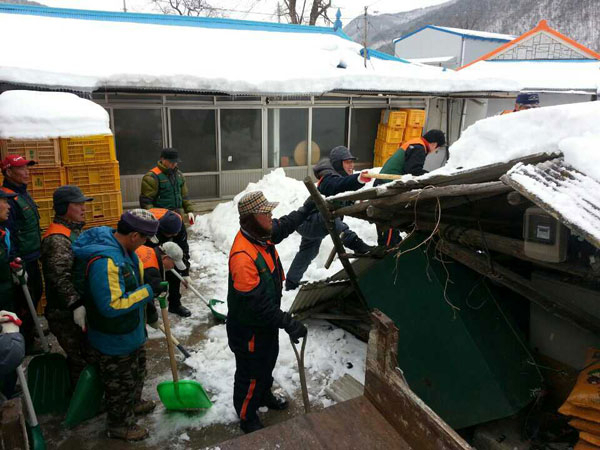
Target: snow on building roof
x=563 y=191
x=43 y=115
x=543 y=75
x=83 y=50
x=469 y=34
x=432 y=60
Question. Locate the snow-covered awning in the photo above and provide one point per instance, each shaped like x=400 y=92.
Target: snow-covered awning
x=542 y=75
x=44 y=115
x=90 y=50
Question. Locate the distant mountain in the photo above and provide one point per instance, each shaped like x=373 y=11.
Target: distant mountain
x=577 y=19
x=22 y=2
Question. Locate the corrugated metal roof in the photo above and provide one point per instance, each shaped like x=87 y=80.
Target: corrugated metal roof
x=562 y=191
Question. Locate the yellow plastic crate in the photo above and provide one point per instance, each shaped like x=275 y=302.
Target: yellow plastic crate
x=45 y=211
x=102 y=223
x=390 y=134
x=95 y=178
x=415 y=118
x=86 y=150
x=46 y=152
x=44 y=181
x=104 y=208
x=412 y=132
x=394 y=118
x=382 y=147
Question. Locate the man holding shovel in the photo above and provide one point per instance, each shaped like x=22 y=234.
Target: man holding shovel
x=65 y=311
x=254 y=297
x=111 y=277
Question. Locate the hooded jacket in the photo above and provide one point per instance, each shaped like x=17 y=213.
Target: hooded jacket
x=114 y=292
x=333 y=179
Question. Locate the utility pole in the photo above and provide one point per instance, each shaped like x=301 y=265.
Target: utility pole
x=365 y=38
x=124 y=5
x=278 y=12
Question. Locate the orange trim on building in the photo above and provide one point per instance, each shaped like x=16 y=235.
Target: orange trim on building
x=542 y=26
x=247 y=399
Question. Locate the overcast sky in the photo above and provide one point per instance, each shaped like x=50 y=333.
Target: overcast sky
x=254 y=9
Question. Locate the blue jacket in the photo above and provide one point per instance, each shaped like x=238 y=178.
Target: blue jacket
x=107 y=290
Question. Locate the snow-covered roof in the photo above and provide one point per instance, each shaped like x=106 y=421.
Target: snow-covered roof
x=89 y=50
x=469 y=34
x=432 y=60
x=543 y=75
x=44 y=115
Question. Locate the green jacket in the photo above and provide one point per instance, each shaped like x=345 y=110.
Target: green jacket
x=165 y=188
x=394 y=166
x=23 y=222
x=7 y=287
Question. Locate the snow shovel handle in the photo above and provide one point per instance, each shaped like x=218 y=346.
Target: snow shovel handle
x=300 y=359
x=162 y=298
x=190 y=287
x=38 y=327
x=33 y=422
x=181 y=348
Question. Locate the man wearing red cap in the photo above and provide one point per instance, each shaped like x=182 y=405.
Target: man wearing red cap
x=24 y=226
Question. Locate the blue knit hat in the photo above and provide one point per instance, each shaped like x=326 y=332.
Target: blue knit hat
x=530 y=99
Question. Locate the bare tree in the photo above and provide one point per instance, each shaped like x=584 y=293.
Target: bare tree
x=296 y=10
x=187 y=7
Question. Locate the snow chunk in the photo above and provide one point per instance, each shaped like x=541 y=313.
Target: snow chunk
x=581 y=151
x=551 y=129
x=44 y=115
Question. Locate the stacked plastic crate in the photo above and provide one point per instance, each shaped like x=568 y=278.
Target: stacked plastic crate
x=88 y=162
x=395 y=127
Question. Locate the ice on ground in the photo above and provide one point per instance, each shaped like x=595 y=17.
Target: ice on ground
x=44 y=115
x=542 y=130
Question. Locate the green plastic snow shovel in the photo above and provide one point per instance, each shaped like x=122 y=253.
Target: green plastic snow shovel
x=34 y=432
x=47 y=374
x=210 y=303
x=87 y=398
x=179 y=395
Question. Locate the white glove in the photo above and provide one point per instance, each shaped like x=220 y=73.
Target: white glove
x=191 y=218
x=9 y=322
x=79 y=316
x=183 y=286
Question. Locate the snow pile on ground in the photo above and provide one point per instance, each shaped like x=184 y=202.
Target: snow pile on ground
x=43 y=115
x=330 y=352
x=510 y=136
x=222 y=224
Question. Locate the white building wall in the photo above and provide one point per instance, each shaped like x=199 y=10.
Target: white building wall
x=429 y=43
x=476 y=48
x=496 y=106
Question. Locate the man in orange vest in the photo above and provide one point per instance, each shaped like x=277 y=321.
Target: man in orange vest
x=65 y=311
x=171 y=228
x=408 y=159
x=523 y=102
x=254 y=316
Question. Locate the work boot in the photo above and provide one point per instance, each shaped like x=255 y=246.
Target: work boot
x=144 y=407
x=274 y=402
x=360 y=247
x=249 y=426
x=132 y=433
x=180 y=310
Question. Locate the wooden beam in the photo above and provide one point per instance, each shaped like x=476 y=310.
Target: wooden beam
x=329 y=221
x=520 y=285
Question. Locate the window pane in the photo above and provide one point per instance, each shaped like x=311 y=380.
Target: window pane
x=193 y=134
x=329 y=129
x=138 y=136
x=364 y=133
x=241 y=139
x=288 y=133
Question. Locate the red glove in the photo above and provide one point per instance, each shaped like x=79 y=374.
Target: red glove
x=16 y=264
x=362 y=178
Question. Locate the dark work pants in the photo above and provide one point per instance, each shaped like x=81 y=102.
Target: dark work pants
x=123 y=380
x=72 y=340
x=174 y=285
x=313 y=231
x=256 y=352
x=390 y=237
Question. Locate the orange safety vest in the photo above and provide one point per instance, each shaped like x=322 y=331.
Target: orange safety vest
x=507 y=111
x=416 y=141
x=158 y=213
x=57 y=228
x=148 y=257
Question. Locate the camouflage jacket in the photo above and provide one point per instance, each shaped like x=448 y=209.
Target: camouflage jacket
x=57 y=265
